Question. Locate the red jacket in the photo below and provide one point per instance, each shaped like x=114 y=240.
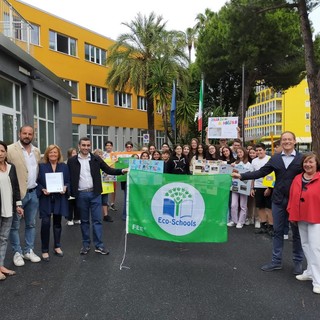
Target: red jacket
x=304 y=205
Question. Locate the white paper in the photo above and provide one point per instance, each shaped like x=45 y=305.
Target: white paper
x=223 y=127
x=54 y=182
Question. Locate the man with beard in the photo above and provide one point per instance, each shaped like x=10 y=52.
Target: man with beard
x=25 y=157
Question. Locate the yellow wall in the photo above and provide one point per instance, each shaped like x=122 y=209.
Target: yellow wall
x=82 y=71
x=295 y=109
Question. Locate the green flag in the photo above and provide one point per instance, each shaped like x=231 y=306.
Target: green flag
x=179 y=208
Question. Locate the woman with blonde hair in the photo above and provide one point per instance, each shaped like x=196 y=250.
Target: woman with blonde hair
x=53 y=204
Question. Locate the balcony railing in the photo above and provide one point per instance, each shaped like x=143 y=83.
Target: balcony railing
x=14 y=26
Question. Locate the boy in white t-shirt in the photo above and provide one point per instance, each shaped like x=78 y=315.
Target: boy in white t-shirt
x=262 y=193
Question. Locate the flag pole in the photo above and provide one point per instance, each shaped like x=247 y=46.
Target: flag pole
x=173 y=112
x=200 y=111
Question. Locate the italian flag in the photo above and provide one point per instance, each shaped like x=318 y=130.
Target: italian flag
x=200 y=111
x=178 y=208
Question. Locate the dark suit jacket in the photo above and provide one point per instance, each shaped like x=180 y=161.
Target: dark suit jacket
x=284 y=176
x=55 y=203
x=96 y=164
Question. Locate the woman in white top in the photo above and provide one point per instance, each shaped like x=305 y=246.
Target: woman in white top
x=9 y=200
x=238 y=218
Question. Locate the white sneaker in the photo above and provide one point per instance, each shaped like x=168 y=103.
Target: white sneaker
x=316 y=290
x=32 y=256
x=257 y=224
x=247 y=223
x=70 y=223
x=18 y=259
x=303 y=277
x=77 y=221
x=285 y=237
x=231 y=224
x=239 y=225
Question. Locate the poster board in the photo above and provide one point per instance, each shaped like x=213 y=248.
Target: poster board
x=223 y=127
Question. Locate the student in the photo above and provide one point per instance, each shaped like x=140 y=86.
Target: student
x=261 y=193
x=178 y=163
x=238 y=218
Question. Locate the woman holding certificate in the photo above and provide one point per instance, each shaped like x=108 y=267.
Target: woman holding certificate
x=53 y=183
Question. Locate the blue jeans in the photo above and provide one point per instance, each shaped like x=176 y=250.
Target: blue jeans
x=30 y=204
x=280 y=220
x=89 y=202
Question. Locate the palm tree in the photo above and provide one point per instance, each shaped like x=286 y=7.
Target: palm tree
x=191 y=40
x=143 y=55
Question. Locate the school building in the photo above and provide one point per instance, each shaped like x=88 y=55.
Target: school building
x=276 y=112
x=77 y=58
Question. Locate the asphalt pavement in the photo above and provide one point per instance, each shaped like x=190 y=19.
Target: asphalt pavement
x=160 y=280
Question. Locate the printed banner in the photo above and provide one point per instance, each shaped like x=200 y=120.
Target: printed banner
x=223 y=127
x=147 y=165
x=178 y=208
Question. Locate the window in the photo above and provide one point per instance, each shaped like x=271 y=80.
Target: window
x=122 y=99
x=62 y=43
x=307 y=128
x=306 y=91
x=74 y=85
x=75 y=135
x=35 y=34
x=44 y=119
x=95 y=54
x=141 y=132
x=142 y=103
x=98 y=135
x=159 y=107
x=307 y=103
x=159 y=138
x=96 y=94
x=307 y=115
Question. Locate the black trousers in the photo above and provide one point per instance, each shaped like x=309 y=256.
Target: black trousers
x=45 y=232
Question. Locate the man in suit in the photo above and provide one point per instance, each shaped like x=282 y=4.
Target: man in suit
x=86 y=188
x=286 y=165
x=25 y=157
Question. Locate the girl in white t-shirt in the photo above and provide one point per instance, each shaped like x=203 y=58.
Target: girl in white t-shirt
x=238 y=218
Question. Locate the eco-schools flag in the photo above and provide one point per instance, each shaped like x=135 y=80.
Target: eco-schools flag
x=179 y=208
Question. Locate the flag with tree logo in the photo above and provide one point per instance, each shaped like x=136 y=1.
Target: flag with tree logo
x=179 y=208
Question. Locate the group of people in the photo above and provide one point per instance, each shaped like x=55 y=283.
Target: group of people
x=24 y=192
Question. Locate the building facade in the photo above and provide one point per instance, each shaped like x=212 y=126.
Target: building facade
x=30 y=94
x=78 y=56
x=276 y=112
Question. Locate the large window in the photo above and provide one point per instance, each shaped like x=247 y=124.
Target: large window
x=96 y=94
x=62 y=43
x=44 y=118
x=99 y=135
x=122 y=99
x=95 y=54
x=35 y=34
x=10 y=110
x=142 y=103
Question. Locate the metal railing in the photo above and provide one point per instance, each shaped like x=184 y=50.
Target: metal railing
x=14 y=26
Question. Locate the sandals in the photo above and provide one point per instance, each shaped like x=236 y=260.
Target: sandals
x=6 y=272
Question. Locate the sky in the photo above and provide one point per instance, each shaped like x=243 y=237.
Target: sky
x=105 y=17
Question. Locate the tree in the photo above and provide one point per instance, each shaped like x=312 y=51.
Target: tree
x=138 y=55
x=268 y=44
x=312 y=69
